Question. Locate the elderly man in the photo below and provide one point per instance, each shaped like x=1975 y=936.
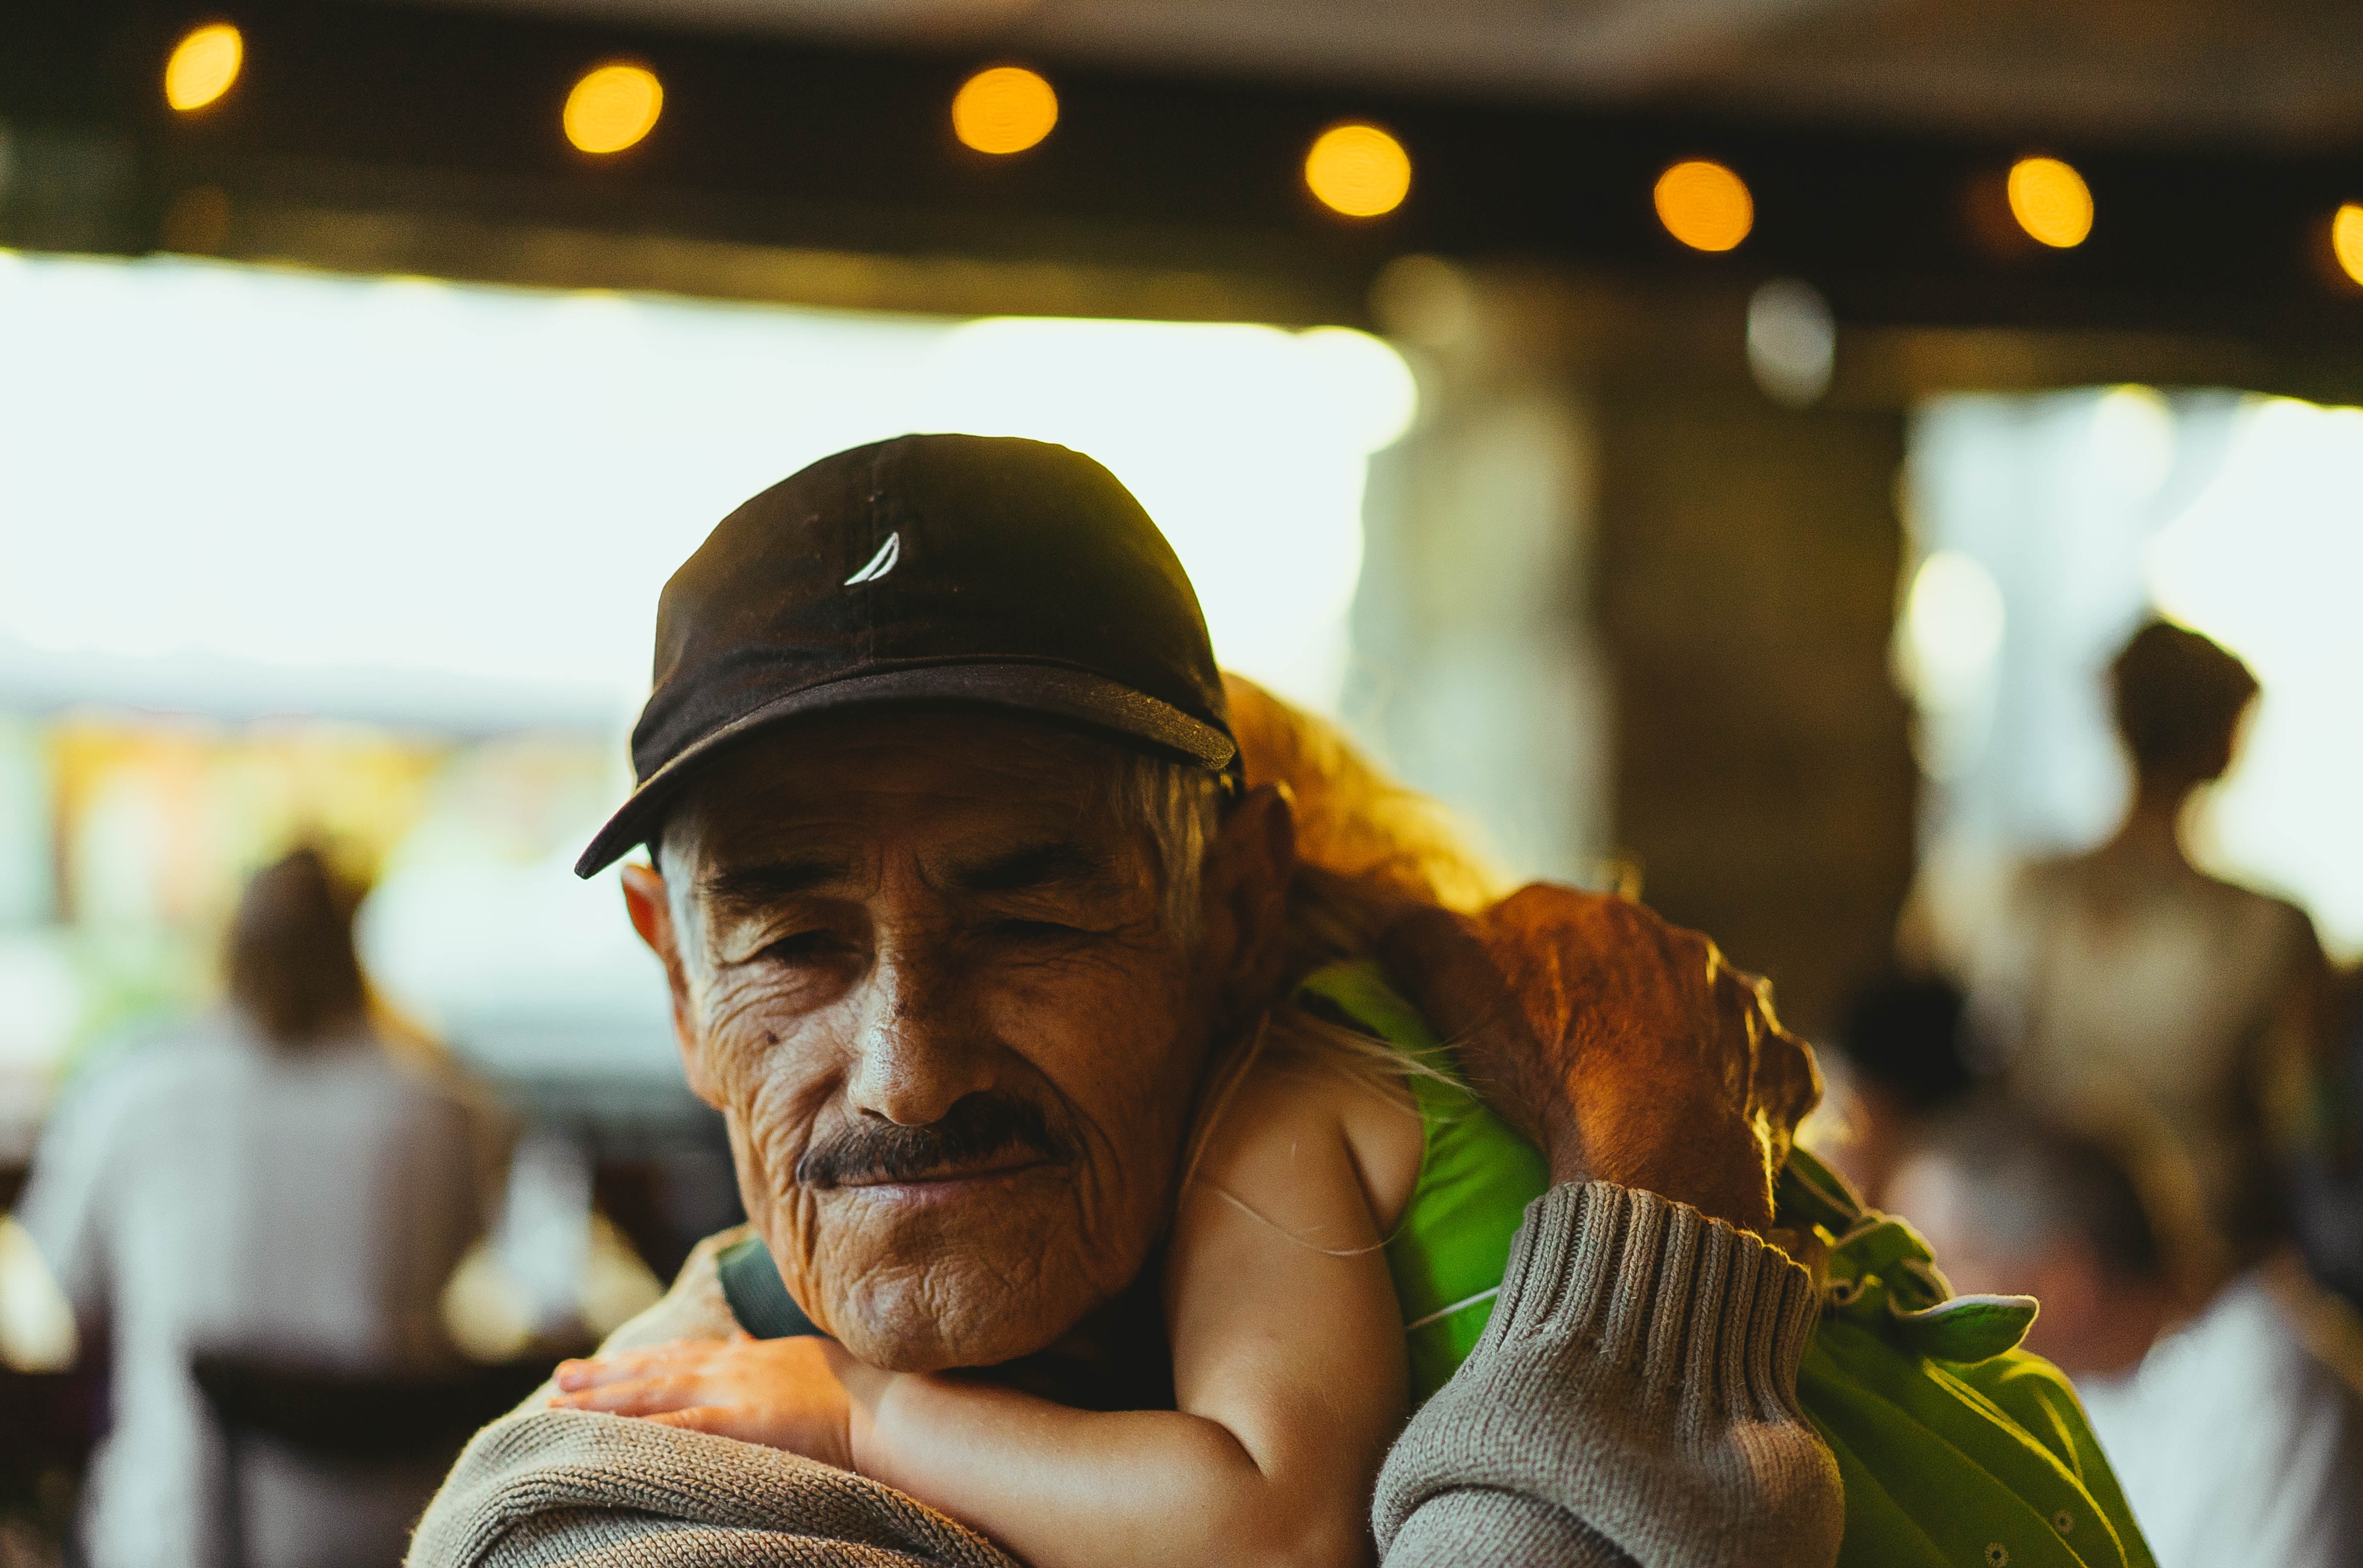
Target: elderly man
x=960 y=892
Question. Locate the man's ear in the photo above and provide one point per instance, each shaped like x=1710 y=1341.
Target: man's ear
x=1244 y=895
x=651 y=911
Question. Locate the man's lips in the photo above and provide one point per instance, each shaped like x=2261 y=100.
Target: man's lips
x=946 y=1178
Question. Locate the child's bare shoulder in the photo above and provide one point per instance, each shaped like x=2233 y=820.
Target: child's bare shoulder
x=1287 y=1120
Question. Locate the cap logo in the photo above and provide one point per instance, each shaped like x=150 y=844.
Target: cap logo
x=889 y=554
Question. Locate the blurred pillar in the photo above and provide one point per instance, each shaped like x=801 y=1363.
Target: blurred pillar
x=1749 y=562
x=1473 y=674
x=1630 y=613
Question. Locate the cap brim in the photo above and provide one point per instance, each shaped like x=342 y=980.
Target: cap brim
x=1050 y=690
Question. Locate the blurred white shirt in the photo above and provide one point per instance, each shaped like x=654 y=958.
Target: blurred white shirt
x=212 y=1193
x=2234 y=1443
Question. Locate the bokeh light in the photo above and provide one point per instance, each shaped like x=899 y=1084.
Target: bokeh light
x=1357 y=170
x=36 y=1322
x=612 y=108
x=2051 y=201
x=2346 y=239
x=1705 y=204
x=1005 y=109
x=202 y=66
x=1792 y=341
x=1952 y=622
x=1948 y=652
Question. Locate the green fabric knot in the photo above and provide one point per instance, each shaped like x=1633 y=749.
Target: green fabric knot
x=1955 y=1447
x=1882 y=1277
x=1967 y=1329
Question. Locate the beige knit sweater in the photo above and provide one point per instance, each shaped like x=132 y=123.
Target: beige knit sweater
x=1633 y=1402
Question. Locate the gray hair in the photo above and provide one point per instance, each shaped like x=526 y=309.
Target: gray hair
x=1179 y=806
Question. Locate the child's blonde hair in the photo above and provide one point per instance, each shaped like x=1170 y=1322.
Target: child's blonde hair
x=1352 y=820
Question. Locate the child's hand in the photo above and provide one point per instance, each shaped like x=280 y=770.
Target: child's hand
x=780 y=1393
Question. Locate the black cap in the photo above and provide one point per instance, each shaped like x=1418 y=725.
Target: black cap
x=927 y=568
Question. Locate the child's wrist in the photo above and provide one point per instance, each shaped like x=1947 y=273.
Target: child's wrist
x=866 y=1389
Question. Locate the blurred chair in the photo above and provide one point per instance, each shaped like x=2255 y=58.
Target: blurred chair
x=369 y=1449
x=49 y=1424
x=52 y=1401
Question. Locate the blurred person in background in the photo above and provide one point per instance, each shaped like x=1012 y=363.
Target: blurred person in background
x=2236 y=1433
x=2129 y=993
x=1898 y=1061
x=275 y=1183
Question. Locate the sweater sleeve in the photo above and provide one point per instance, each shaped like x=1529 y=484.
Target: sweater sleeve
x=544 y=1488
x=1634 y=1400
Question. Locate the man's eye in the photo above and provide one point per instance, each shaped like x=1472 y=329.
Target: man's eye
x=803 y=947
x=1031 y=930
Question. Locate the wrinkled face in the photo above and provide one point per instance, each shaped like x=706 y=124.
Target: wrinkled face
x=925 y=968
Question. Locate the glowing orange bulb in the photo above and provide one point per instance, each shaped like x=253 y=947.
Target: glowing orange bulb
x=202 y=66
x=1357 y=170
x=612 y=108
x=2346 y=239
x=1705 y=204
x=2051 y=201
x=1004 y=110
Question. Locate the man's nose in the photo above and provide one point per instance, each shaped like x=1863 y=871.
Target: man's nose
x=916 y=1051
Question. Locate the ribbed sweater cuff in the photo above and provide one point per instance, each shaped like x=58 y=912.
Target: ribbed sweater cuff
x=1639 y=1372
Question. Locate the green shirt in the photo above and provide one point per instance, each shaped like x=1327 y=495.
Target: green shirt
x=1956 y=1447
x=1451 y=1245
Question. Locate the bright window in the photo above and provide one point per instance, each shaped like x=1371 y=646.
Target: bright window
x=2047 y=526
x=399 y=496
x=419 y=529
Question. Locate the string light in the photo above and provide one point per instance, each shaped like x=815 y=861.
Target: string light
x=612 y=108
x=1705 y=204
x=2051 y=201
x=2346 y=239
x=1357 y=170
x=1004 y=110
x=202 y=66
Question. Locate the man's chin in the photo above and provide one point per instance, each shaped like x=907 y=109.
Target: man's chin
x=928 y=1277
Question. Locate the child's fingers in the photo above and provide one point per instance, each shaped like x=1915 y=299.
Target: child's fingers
x=571 y=1375
x=625 y=1366
x=640 y=1396
x=593 y=1371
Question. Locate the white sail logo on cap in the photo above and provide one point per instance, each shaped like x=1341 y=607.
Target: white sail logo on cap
x=884 y=561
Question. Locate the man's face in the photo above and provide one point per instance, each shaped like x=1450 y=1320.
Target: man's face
x=927 y=971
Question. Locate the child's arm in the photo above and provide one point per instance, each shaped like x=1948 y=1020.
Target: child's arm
x=1288 y=1365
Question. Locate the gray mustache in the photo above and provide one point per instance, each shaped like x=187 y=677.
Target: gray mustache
x=978 y=1127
